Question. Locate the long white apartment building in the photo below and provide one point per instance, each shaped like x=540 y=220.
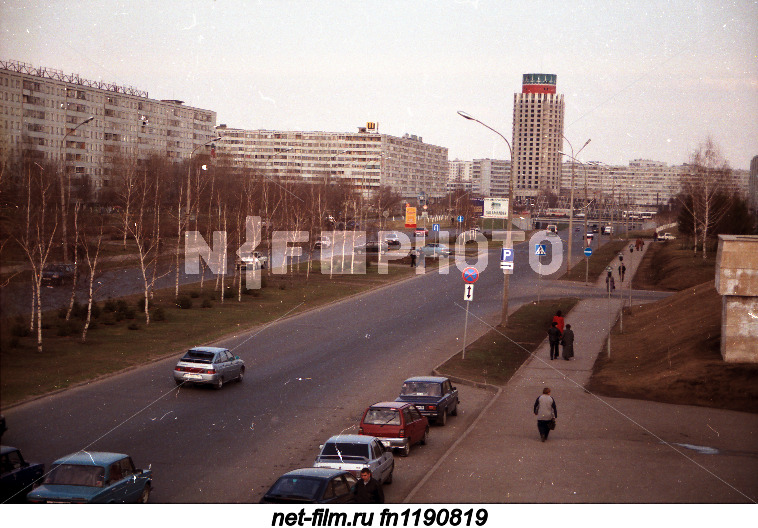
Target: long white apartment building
x=642 y=185
x=364 y=159
x=41 y=107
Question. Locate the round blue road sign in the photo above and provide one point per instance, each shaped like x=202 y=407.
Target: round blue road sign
x=470 y=275
x=588 y=252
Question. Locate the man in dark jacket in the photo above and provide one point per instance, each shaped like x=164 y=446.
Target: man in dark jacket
x=554 y=337
x=368 y=490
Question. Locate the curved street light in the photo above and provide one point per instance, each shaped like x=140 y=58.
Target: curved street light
x=189 y=171
x=586 y=208
x=508 y=241
x=571 y=205
x=66 y=187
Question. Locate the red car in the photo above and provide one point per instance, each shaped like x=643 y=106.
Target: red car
x=397 y=424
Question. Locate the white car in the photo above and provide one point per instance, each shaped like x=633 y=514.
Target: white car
x=323 y=242
x=355 y=452
x=391 y=239
x=666 y=236
x=254 y=260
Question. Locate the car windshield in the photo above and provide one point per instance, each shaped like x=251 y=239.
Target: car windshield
x=76 y=475
x=420 y=388
x=345 y=450
x=382 y=417
x=296 y=487
x=198 y=356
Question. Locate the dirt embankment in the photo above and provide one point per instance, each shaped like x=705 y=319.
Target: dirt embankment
x=670 y=350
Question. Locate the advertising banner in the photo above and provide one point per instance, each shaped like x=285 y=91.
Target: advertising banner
x=410 y=217
x=495 y=208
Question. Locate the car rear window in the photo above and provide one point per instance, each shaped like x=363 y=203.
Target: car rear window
x=420 y=388
x=345 y=450
x=300 y=487
x=198 y=356
x=382 y=417
x=75 y=475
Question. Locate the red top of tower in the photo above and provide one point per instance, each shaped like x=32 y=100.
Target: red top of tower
x=539 y=83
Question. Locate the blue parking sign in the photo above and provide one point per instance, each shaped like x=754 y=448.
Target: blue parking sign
x=506 y=255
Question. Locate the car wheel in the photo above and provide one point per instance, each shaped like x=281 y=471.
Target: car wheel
x=425 y=438
x=442 y=420
x=405 y=450
x=145 y=495
x=178 y=381
x=454 y=412
x=219 y=383
x=388 y=480
x=241 y=374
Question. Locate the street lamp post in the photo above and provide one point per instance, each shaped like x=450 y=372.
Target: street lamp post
x=189 y=172
x=586 y=211
x=509 y=240
x=66 y=188
x=571 y=199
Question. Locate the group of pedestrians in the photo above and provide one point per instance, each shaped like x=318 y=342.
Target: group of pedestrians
x=560 y=335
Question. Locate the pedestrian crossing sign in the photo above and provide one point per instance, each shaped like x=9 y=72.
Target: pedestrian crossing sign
x=540 y=250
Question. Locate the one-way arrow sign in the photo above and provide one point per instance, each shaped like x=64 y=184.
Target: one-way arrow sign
x=468 y=292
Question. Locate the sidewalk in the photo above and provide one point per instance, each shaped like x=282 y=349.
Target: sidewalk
x=606 y=450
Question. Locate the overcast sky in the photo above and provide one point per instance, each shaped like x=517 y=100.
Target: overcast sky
x=642 y=79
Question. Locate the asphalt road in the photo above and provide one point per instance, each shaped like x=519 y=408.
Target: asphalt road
x=308 y=377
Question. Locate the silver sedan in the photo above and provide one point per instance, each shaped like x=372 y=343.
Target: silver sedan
x=209 y=365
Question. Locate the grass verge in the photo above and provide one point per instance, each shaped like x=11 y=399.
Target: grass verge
x=597 y=262
x=497 y=355
x=119 y=337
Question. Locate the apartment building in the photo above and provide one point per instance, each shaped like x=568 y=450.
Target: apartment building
x=459 y=177
x=89 y=125
x=538 y=113
x=753 y=185
x=492 y=177
x=365 y=159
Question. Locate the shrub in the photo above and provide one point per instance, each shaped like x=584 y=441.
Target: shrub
x=229 y=294
x=13 y=343
x=66 y=328
x=108 y=319
x=194 y=294
x=159 y=314
x=283 y=286
x=110 y=306
x=129 y=313
x=95 y=311
x=119 y=316
x=141 y=304
x=133 y=326
x=184 y=302
x=207 y=303
x=62 y=312
x=20 y=330
x=121 y=305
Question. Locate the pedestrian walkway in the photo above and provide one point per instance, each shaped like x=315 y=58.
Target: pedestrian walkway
x=608 y=450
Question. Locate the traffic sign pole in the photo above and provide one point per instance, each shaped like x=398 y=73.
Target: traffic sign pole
x=468 y=295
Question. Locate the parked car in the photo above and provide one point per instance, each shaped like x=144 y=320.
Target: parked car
x=666 y=236
x=397 y=425
x=391 y=239
x=3 y=428
x=435 y=250
x=255 y=260
x=552 y=228
x=17 y=476
x=323 y=242
x=371 y=247
x=421 y=232
x=354 y=452
x=434 y=397
x=312 y=485
x=608 y=230
x=594 y=228
x=57 y=274
x=92 y=476
x=209 y=365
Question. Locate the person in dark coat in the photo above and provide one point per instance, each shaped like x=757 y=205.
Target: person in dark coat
x=554 y=338
x=568 y=343
x=546 y=412
x=368 y=490
x=413 y=258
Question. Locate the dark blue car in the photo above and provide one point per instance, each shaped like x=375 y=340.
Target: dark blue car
x=17 y=476
x=91 y=476
x=434 y=396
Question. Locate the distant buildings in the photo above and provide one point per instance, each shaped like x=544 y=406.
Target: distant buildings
x=365 y=159
x=537 y=137
x=753 y=185
x=40 y=106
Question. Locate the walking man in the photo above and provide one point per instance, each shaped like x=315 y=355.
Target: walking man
x=622 y=271
x=546 y=412
x=368 y=490
x=568 y=343
x=413 y=258
x=610 y=283
x=554 y=338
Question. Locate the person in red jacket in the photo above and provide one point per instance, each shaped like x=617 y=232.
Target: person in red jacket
x=558 y=318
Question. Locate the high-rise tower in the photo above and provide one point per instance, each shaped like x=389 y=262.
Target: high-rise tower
x=537 y=136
